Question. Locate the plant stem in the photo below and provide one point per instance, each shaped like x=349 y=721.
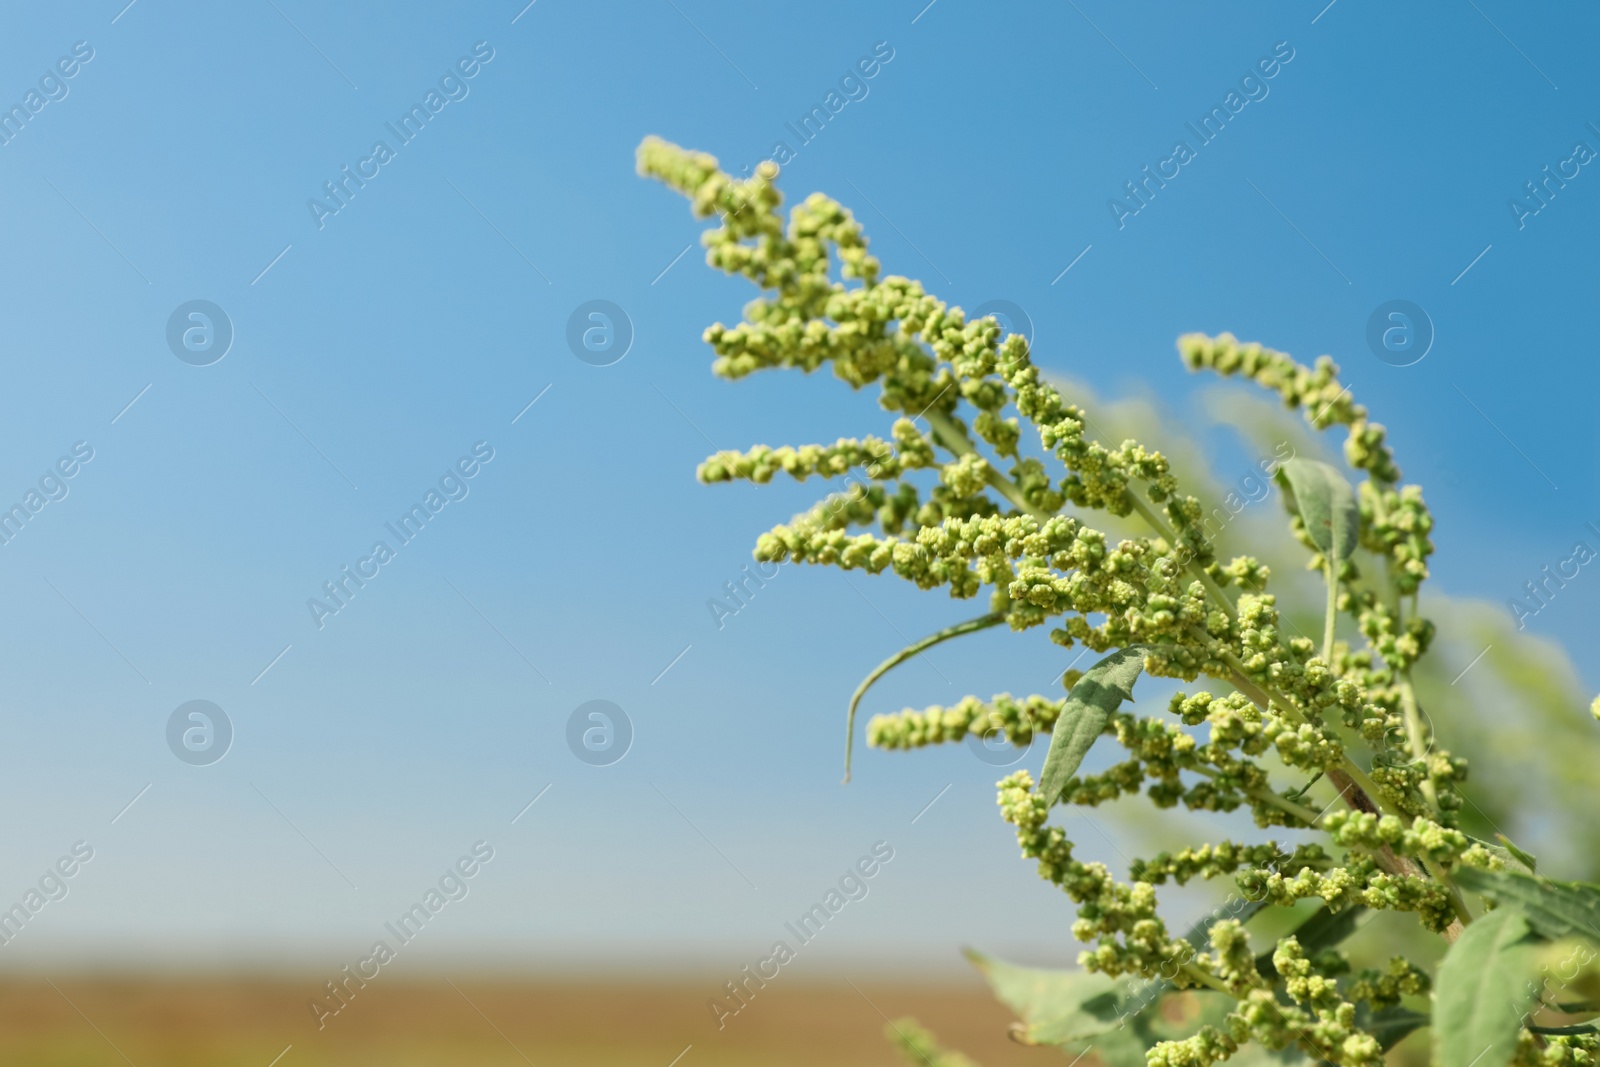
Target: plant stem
x=1415 y=739
x=1414 y=735
x=1364 y=782
x=1207 y=979
x=1153 y=518
x=1440 y=875
x=1361 y=786
x=954 y=440
x=1331 y=616
x=1356 y=788
x=1267 y=796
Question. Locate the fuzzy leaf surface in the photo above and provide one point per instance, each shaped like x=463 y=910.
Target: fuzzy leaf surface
x=1098 y=693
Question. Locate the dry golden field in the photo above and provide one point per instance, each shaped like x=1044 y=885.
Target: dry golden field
x=461 y=1020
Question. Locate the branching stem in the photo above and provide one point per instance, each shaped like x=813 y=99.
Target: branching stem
x=1153 y=518
x=1355 y=786
x=949 y=434
x=1267 y=796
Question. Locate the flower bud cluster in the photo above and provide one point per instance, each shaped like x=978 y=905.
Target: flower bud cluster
x=1359 y=880
x=961 y=496
x=1395 y=521
x=1324 y=1025
x=1015 y=721
x=1422 y=838
x=1208 y=1046
x=1383 y=989
x=1132 y=938
x=879 y=458
x=1206 y=861
x=1232 y=959
x=1562 y=1050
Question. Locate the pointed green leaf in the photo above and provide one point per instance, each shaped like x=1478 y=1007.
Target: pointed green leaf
x=1056 y=1006
x=1517 y=860
x=1098 y=693
x=1391 y=1025
x=1527 y=859
x=1327 y=506
x=1116 y=1018
x=1554 y=909
x=1483 y=991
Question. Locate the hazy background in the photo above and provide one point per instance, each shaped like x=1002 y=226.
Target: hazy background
x=432 y=309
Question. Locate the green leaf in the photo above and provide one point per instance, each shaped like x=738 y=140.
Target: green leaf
x=1327 y=506
x=1553 y=909
x=1391 y=1025
x=1515 y=861
x=1115 y=1048
x=1090 y=704
x=1056 y=1006
x=1326 y=927
x=1527 y=859
x=1118 y=1018
x=982 y=622
x=1483 y=991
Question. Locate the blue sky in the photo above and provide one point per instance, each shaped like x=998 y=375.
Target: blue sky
x=375 y=347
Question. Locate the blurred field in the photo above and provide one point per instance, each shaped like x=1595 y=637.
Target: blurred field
x=243 y=1022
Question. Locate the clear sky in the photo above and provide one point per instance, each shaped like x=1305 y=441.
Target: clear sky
x=374 y=347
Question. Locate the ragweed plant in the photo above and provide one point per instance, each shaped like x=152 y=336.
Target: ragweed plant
x=987 y=485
